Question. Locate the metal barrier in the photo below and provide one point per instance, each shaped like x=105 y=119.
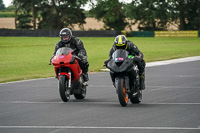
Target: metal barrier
x=165 y=34
x=55 y=33
x=142 y=33
x=29 y=33
x=176 y=33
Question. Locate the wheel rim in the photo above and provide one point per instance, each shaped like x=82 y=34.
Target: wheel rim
x=67 y=91
x=67 y=94
x=140 y=95
x=125 y=93
x=84 y=91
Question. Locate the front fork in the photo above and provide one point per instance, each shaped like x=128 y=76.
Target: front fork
x=127 y=85
x=68 y=76
x=70 y=79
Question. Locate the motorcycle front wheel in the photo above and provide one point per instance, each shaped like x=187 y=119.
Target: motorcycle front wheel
x=122 y=92
x=63 y=88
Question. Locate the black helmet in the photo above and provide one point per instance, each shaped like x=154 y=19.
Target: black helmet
x=121 y=42
x=65 y=35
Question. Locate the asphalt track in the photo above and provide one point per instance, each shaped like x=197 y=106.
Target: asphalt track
x=171 y=104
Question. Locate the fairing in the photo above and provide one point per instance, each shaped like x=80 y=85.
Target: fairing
x=120 y=62
x=62 y=60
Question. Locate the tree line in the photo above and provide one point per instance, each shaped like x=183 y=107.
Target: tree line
x=149 y=14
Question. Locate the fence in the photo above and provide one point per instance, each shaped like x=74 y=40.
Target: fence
x=31 y=33
x=165 y=34
x=176 y=33
x=55 y=33
x=142 y=33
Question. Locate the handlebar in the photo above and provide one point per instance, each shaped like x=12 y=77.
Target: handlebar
x=73 y=59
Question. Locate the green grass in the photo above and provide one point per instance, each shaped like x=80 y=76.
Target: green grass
x=7 y=14
x=28 y=57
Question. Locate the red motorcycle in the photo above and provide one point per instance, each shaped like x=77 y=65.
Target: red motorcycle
x=69 y=74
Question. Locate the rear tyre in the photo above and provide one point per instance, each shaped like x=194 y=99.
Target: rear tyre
x=137 y=98
x=82 y=94
x=63 y=88
x=122 y=92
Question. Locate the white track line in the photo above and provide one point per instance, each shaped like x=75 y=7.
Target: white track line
x=175 y=103
x=98 y=127
x=26 y=80
x=29 y=102
x=167 y=62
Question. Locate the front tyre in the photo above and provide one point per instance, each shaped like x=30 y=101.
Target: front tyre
x=122 y=92
x=63 y=88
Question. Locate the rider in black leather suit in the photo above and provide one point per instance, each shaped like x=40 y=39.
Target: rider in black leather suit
x=121 y=42
x=67 y=40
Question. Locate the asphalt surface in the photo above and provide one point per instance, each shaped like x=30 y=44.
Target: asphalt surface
x=171 y=104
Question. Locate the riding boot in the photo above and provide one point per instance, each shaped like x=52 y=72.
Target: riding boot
x=85 y=76
x=112 y=78
x=142 y=81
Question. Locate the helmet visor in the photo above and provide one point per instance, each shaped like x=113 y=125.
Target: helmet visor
x=122 y=47
x=65 y=38
x=120 y=44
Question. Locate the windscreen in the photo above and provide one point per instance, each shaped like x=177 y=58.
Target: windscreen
x=119 y=55
x=63 y=51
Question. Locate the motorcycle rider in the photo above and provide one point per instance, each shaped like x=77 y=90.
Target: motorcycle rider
x=68 y=40
x=121 y=42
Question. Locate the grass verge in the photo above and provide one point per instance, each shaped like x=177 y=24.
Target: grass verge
x=28 y=57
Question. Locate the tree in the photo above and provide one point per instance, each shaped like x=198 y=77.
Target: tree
x=56 y=14
x=23 y=20
x=111 y=13
x=155 y=14
x=193 y=16
x=52 y=14
x=17 y=7
x=10 y=8
x=2 y=6
x=150 y=14
x=187 y=12
x=28 y=9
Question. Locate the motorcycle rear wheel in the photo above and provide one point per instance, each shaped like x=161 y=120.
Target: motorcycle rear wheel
x=82 y=94
x=137 y=98
x=122 y=92
x=63 y=88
